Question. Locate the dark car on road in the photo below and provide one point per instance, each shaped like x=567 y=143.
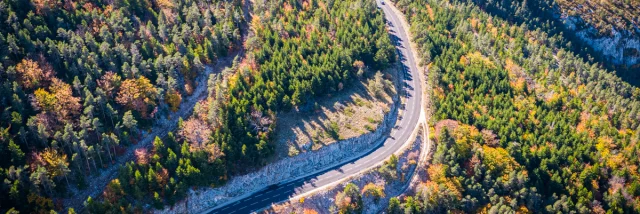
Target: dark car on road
x=273 y=186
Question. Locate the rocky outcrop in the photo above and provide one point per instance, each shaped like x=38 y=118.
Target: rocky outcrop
x=621 y=47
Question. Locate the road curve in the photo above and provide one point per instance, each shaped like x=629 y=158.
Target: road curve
x=398 y=136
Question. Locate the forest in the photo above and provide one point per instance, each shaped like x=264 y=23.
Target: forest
x=293 y=53
x=523 y=124
x=297 y=51
x=82 y=82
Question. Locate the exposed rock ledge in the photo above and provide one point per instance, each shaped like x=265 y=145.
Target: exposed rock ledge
x=622 y=47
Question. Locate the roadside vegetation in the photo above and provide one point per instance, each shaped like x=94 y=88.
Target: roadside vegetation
x=83 y=81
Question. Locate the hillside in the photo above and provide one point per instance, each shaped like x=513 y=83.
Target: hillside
x=522 y=124
x=141 y=106
x=610 y=28
x=292 y=55
x=605 y=15
x=601 y=32
x=82 y=82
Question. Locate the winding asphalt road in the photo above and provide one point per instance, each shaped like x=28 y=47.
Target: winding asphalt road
x=405 y=126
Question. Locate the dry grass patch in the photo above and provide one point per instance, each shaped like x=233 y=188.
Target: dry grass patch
x=357 y=110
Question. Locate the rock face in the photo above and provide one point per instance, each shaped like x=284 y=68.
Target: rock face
x=621 y=47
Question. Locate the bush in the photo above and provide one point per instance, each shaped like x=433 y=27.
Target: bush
x=373 y=190
x=334 y=130
x=389 y=169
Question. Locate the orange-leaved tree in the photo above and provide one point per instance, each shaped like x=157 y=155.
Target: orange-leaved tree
x=137 y=94
x=58 y=100
x=31 y=75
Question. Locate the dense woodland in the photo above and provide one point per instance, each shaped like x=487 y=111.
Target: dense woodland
x=295 y=51
x=81 y=81
x=532 y=126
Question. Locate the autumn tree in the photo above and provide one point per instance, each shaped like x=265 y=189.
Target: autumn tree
x=374 y=191
x=137 y=94
x=109 y=82
x=58 y=100
x=56 y=163
x=196 y=132
x=173 y=98
x=113 y=192
x=349 y=200
x=31 y=75
x=359 y=67
x=87 y=78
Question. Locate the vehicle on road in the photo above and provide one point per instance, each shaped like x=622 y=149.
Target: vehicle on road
x=273 y=186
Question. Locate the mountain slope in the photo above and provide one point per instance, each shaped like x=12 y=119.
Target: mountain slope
x=522 y=123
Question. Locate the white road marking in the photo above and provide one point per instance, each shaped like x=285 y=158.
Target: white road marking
x=276 y=195
x=375 y=157
x=331 y=177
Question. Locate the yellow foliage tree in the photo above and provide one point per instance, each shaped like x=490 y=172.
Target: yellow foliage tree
x=173 y=98
x=44 y=100
x=437 y=173
x=373 y=190
x=55 y=163
x=498 y=160
x=59 y=100
x=466 y=136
